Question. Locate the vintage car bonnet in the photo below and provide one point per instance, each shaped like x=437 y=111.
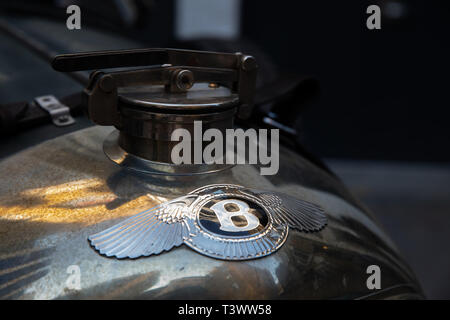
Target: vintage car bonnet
x=103 y=213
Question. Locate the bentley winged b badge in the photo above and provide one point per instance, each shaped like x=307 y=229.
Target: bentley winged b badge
x=227 y=222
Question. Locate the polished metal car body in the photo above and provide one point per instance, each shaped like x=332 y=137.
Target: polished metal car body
x=55 y=195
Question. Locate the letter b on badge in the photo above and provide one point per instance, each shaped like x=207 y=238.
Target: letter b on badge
x=224 y=215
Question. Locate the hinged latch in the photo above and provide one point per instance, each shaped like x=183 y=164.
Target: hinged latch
x=59 y=112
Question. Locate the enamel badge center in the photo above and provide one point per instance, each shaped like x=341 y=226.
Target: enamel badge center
x=226 y=222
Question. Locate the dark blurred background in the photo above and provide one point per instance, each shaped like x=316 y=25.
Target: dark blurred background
x=379 y=120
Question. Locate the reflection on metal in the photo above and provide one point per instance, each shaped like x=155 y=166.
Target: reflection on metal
x=203 y=220
x=53 y=196
x=22 y=268
x=132 y=162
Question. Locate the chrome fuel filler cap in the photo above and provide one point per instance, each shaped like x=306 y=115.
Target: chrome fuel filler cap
x=156 y=91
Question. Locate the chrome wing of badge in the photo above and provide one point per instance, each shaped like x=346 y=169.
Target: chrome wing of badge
x=300 y=215
x=149 y=232
x=203 y=221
